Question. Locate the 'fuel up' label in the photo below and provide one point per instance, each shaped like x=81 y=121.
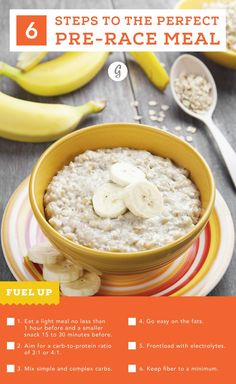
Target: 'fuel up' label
x=29 y=292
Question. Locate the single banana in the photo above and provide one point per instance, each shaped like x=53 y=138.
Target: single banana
x=153 y=68
x=29 y=60
x=143 y=199
x=44 y=253
x=86 y=285
x=63 y=271
x=28 y=121
x=125 y=173
x=65 y=74
x=108 y=201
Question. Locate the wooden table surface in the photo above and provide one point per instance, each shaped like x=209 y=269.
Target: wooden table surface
x=17 y=159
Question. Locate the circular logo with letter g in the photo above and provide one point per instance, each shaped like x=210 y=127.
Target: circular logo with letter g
x=117 y=71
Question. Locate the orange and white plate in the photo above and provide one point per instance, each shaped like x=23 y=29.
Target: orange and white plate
x=195 y=273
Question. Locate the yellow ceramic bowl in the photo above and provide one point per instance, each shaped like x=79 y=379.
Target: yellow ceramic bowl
x=121 y=135
x=227 y=58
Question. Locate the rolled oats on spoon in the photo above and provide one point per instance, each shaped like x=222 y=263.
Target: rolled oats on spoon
x=194 y=90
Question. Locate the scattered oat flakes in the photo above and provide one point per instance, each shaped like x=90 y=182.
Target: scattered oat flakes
x=138 y=117
x=191 y=129
x=182 y=137
x=134 y=103
x=163 y=65
x=162 y=114
x=164 y=128
x=152 y=103
x=160 y=119
x=178 y=128
x=165 y=107
x=153 y=118
x=152 y=112
x=189 y=139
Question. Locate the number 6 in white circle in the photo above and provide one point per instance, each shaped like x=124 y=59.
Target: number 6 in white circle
x=31 y=32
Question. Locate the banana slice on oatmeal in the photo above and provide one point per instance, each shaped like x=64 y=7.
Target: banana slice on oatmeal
x=108 y=201
x=125 y=174
x=143 y=199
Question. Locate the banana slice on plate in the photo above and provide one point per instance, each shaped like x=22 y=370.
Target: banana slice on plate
x=63 y=271
x=125 y=174
x=86 y=285
x=143 y=199
x=44 y=253
x=108 y=201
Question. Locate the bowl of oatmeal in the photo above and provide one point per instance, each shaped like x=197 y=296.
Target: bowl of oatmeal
x=122 y=198
x=228 y=57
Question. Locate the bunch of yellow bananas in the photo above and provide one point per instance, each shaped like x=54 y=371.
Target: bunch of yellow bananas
x=37 y=122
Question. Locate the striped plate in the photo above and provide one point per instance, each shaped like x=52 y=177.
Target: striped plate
x=195 y=273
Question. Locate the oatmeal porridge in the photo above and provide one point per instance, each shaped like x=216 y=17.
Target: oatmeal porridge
x=122 y=200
